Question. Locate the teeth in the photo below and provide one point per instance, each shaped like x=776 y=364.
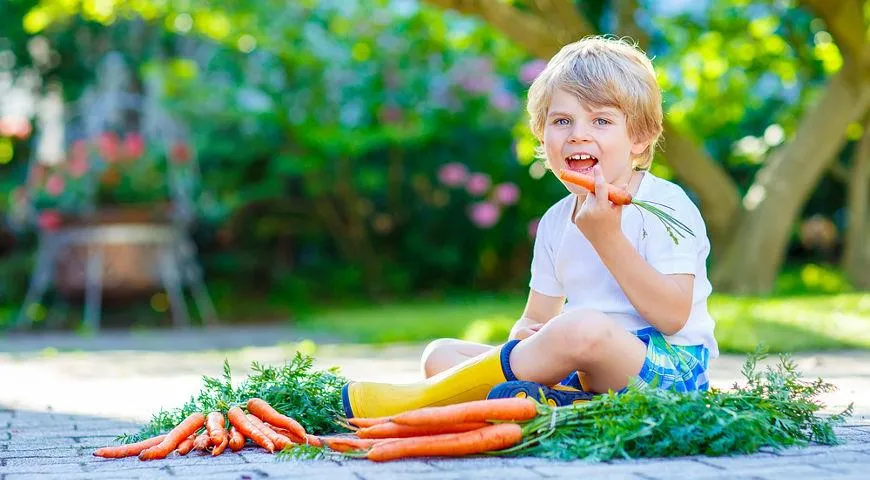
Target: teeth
x=581 y=156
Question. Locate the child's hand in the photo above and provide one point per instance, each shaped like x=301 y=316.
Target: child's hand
x=597 y=217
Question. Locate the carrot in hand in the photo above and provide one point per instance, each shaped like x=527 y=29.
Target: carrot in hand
x=245 y=427
x=217 y=432
x=395 y=430
x=486 y=439
x=505 y=409
x=266 y=413
x=280 y=441
x=237 y=440
x=186 y=446
x=619 y=196
x=128 y=450
x=186 y=428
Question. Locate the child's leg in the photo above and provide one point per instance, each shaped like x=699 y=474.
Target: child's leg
x=585 y=340
x=445 y=353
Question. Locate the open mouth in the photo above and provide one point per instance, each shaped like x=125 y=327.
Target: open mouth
x=581 y=162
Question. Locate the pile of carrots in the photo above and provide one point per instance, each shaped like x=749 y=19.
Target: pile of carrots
x=264 y=425
x=455 y=430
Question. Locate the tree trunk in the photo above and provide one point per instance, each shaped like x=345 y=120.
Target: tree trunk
x=783 y=185
x=856 y=252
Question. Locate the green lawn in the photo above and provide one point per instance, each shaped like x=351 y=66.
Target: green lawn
x=784 y=324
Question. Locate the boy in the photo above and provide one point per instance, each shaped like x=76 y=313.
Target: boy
x=636 y=310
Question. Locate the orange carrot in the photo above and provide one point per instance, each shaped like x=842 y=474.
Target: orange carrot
x=237 y=440
x=506 y=409
x=486 y=439
x=395 y=430
x=347 y=444
x=186 y=446
x=367 y=422
x=615 y=194
x=202 y=442
x=280 y=441
x=266 y=413
x=313 y=440
x=217 y=432
x=240 y=421
x=129 y=449
x=186 y=428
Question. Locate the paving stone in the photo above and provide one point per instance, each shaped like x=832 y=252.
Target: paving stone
x=44 y=453
x=386 y=471
x=93 y=476
x=666 y=469
x=172 y=461
x=44 y=468
x=398 y=466
x=824 y=449
x=820 y=458
x=95 y=442
x=236 y=472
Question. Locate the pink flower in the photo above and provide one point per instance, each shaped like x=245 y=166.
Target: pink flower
x=78 y=166
x=484 y=214
x=54 y=185
x=18 y=127
x=180 y=153
x=478 y=184
x=108 y=143
x=390 y=114
x=134 y=146
x=453 y=174
x=49 y=220
x=530 y=71
x=507 y=193
x=533 y=227
x=503 y=101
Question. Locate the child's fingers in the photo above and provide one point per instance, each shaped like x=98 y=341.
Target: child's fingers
x=600 y=187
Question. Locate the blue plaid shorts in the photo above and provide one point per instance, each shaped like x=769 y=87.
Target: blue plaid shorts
x=682 y=368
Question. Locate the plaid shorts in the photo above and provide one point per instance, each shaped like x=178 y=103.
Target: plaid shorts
x=682 y=368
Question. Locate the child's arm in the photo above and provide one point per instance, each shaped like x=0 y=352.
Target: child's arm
x=665 y=301
x=539 y=310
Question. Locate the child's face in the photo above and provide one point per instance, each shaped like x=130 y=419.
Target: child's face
x=576 y=138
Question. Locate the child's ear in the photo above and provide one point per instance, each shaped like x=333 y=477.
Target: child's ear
x=638 y=148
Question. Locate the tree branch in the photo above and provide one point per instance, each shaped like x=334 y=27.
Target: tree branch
x=845 y=20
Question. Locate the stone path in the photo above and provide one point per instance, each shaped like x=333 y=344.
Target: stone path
x=62 y=396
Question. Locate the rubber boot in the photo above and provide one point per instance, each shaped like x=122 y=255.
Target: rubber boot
x=470 y=380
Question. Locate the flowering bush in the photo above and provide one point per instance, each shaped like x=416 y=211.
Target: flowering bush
x=112 y=169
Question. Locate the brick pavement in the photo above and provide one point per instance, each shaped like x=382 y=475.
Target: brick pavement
x=57 y=407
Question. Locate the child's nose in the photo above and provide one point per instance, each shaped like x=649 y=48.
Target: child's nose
x=580 y=134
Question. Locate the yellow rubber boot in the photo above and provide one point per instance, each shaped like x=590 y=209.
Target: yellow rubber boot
x=470 y=380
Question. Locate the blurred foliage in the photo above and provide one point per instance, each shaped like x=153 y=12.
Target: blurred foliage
x=379 y=147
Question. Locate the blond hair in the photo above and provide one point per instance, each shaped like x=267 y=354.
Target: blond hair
x=603 y=72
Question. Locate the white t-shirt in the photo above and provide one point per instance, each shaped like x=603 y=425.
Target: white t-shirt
x=566 y=265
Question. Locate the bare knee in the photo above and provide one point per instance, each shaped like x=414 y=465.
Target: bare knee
x=438 y=356
x=583 y=335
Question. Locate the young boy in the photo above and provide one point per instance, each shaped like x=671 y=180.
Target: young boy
x=636 y=310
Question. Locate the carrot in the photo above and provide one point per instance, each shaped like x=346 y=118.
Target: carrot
x=280 y=441
x=129 y=449
x=202 y=441
x=237 y=440
x=346 y=444
x=186 y=428
x=367 y=422
x=507 y=409
x=619 y=196
x=313 y=440
x=245 y=427
x=395 y=430
x=615 y=194
x=266 y=413
x=486 y=439
x=186 y=446
x=217 y=432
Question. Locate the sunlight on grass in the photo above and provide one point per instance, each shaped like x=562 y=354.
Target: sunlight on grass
x=785 y=324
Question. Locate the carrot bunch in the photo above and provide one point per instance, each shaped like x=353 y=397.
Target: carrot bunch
x=262 y=424
x=455 y=430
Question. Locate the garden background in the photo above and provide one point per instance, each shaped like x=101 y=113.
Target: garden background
x=365 y=169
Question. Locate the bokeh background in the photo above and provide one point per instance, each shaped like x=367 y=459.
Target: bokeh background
x=365 y=168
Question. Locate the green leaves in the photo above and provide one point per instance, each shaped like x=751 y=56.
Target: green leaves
x=294 y=389
x=775 y=408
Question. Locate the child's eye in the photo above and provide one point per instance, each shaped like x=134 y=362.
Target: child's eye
x=600 y=121
x=561 y=121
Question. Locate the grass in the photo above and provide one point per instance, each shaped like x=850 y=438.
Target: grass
x=784 y=323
